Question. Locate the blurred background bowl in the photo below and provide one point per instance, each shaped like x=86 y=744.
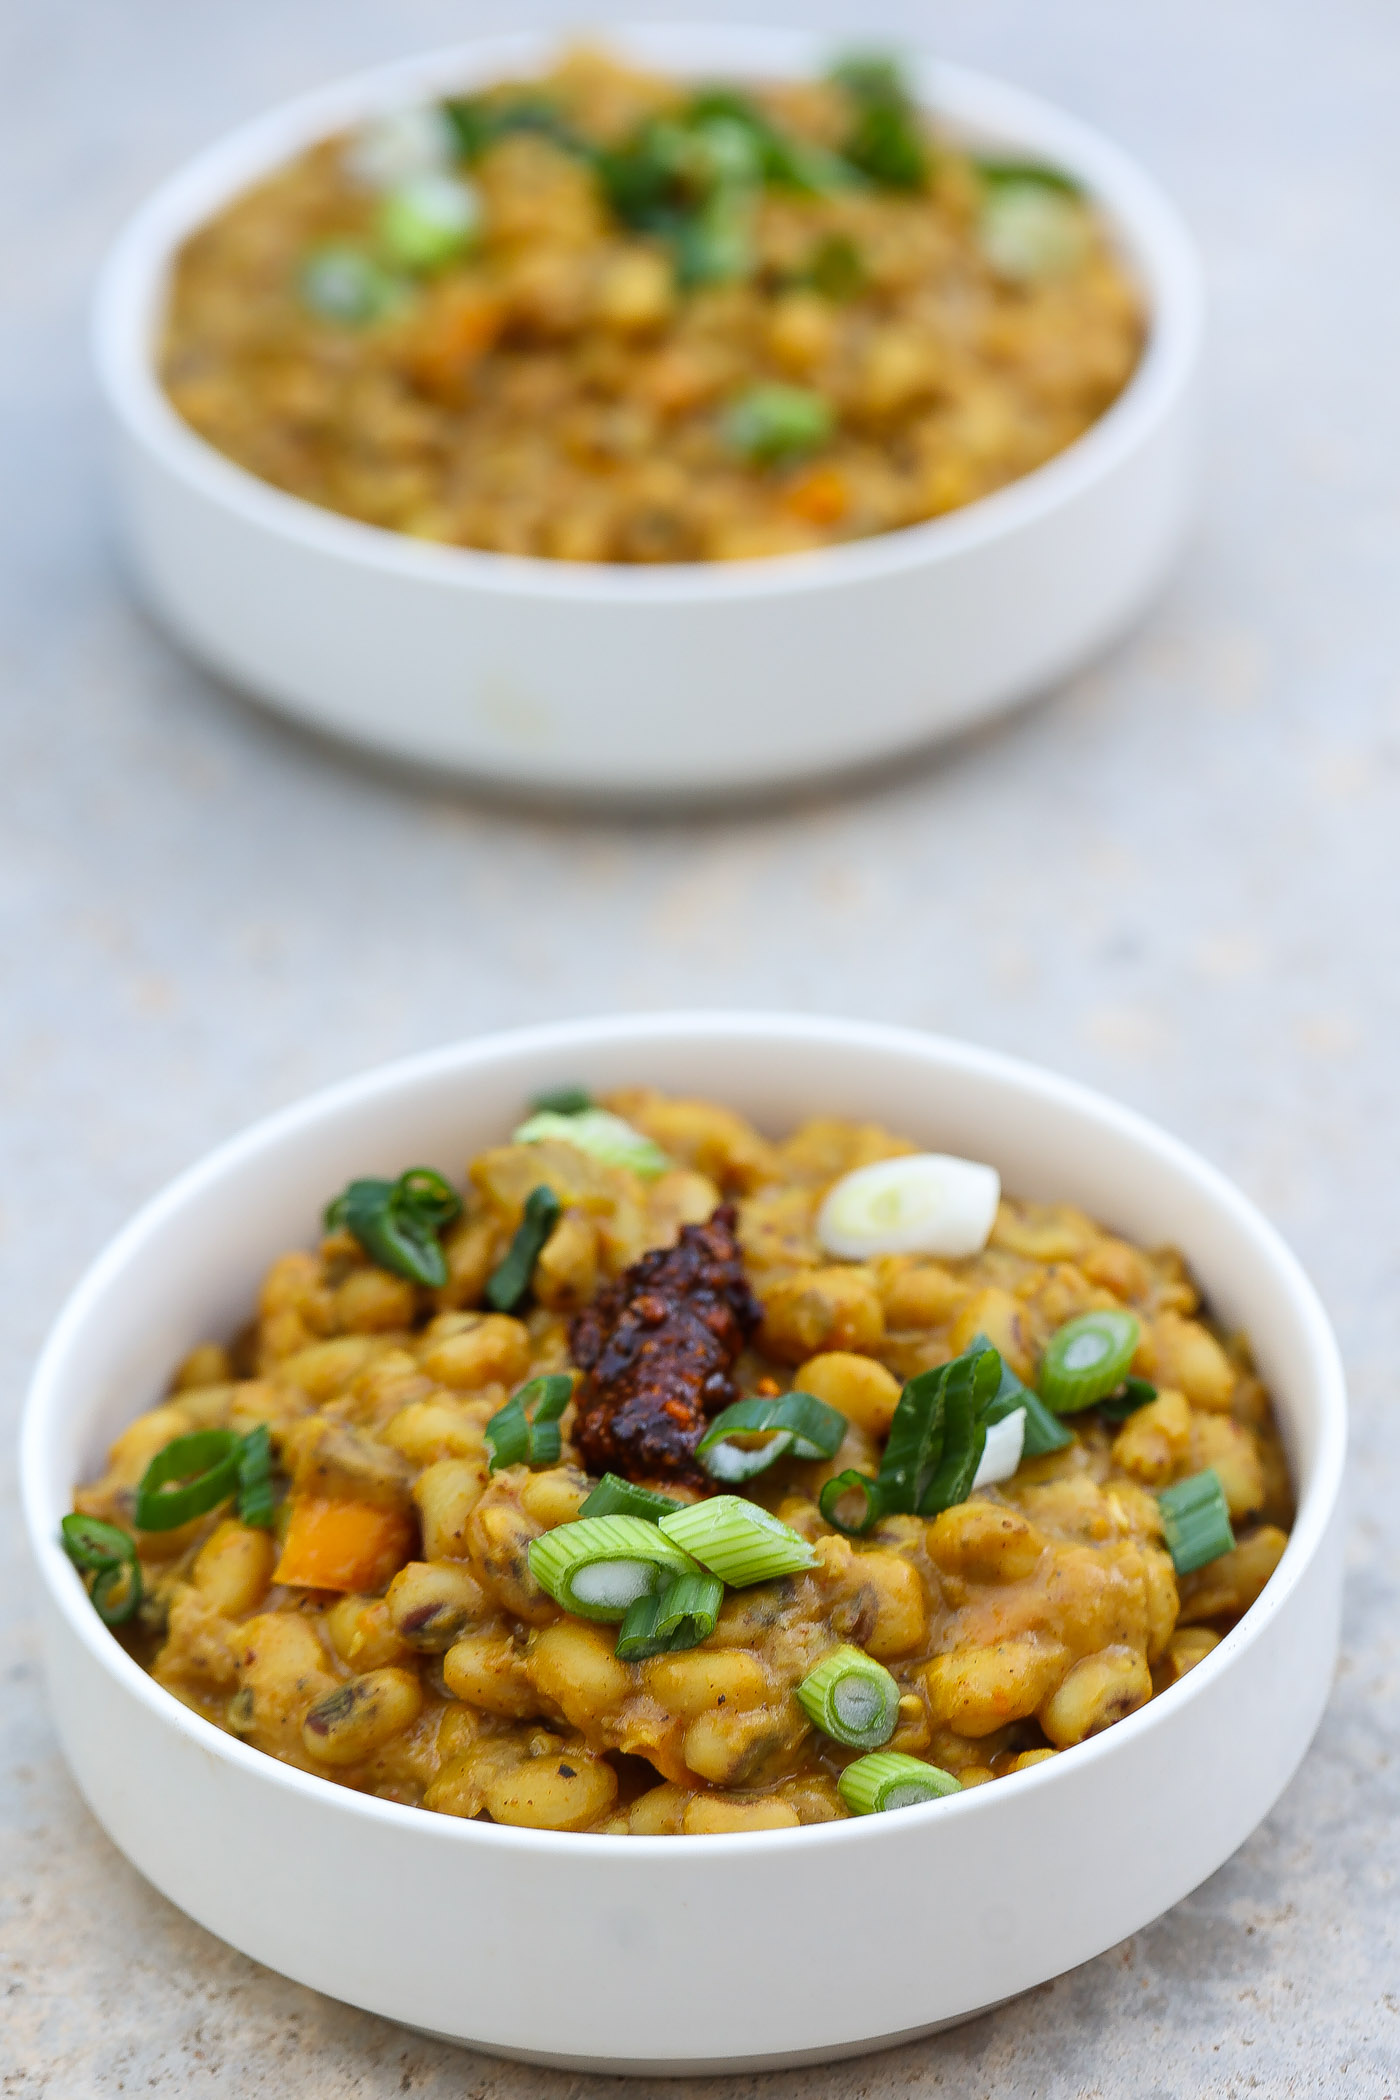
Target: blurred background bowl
x=609 y=681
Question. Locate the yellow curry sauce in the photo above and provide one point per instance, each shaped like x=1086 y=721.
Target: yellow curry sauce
x=663 y=325
x=388 y=1633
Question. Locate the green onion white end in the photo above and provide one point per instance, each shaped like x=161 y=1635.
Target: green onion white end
x=400 y=146
x=739 y=1541
x=889 y=1780
x=924 y=1203
x=851 y=1698
x=597 y=1131
x=1030 y=232
x=1001 y=1454
x=597 y=1567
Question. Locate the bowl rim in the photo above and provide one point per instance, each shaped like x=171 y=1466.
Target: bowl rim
x=46 y=1403
x=133 y=276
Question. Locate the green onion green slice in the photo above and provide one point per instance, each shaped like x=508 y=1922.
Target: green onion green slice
x=772 y=423
x=509 y=1284
x=1087 y=1359
x=562 y=1101
x=795 y=1425
x=1196 y=1520
x=994 y=172
x=598 y=1567
x=888 y=1779
x=739 y=1541
x=525 y=1432
x=256 y=1503
x=886 y=140
x=615 y=1497
x=851 y=1503
x=1132 y=1394
x=109 y=1554
x=599 y=1132
x=679 y=1615
x=426 y=221
x=342 y=284
x=191 y=1475
x=398 y=1222
x=851 y=1698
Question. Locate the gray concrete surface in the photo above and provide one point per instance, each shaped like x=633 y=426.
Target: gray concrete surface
x=1174 y=878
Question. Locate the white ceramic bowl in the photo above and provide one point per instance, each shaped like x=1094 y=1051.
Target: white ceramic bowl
x=664 y=1954
x=601 y=680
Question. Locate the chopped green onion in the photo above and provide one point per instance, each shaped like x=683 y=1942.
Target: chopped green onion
x=834 y=268
x=851 y=1698
x=398 y=1222
x=1087 y=1358
x=340 y=283
x=256 y=1505
x=428 y=220
x=479 y=121
x=1196 y=1520
x=192 y=1474
x=918 y=1203
x=889 y=1780
x=393 y=148
x=796 y=1425
x=525 y=1432
x=739 y=1541
x=680 y=1615
x=562 y=1101
x=1030 y=232
x=1043 y=1431
x=886 y=141
x=997 y=172
x=599 y=1566
x=835 y=1502
x=1132 y=1394
x=109 y=1555
x=598 y=1132
x=934 y=1432
x=771 y=423
x=615 y=1497
x=964 y=1440
x=509 y=1283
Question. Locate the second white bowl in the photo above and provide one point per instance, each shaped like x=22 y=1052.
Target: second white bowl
x=689 y=680
x=684 y=1954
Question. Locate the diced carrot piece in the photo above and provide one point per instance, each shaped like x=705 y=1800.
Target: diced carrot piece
x=459 y=328
x=820 y=495
x=343 y=1545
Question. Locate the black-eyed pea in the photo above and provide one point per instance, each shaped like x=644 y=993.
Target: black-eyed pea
x=1163 y=1600
x=562 y=1790
x=361 y=1632
x=554 y=1496
x=1187 y=1647
x=1228 y=1586
x=572 y=1664
x=702 y=1680
x=325 y=1368
x=140 y=1440
x=494 y=1350
x=1187 y=1355
x=729 y=1745
x=856 y=1386
x=429 y=1430
x=1002 y=1318
x=471 y=1252
x=1154 y=1443
x=488 y=1671
x=1098 y=1691
x=984 y=1542
x=913 y=1732
x=431 y=1604
x=347 y=1725
x=1233 y=1451
x=901 y=1607
x=976 y=1690
x=1027 y=1760
x=821 y=1310
x=498 y=1548
x=234 y=1568
x=659 y=1812
x=457 y=1788
x=715 y=1815
x=209 y=1364
x=975 y=1775
x=566 y=1271
x=918 y=1293
x=1134 y=1510
x=446 y=1495
x=371 y=1301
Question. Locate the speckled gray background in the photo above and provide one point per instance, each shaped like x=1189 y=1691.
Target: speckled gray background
x=1175 y=878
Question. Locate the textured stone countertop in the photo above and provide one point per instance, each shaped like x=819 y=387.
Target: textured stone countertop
x=1174 y=878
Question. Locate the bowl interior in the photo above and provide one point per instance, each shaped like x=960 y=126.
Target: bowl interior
x=189 y=1264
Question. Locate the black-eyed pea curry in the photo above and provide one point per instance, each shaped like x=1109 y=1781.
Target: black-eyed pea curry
x=669 y=1479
